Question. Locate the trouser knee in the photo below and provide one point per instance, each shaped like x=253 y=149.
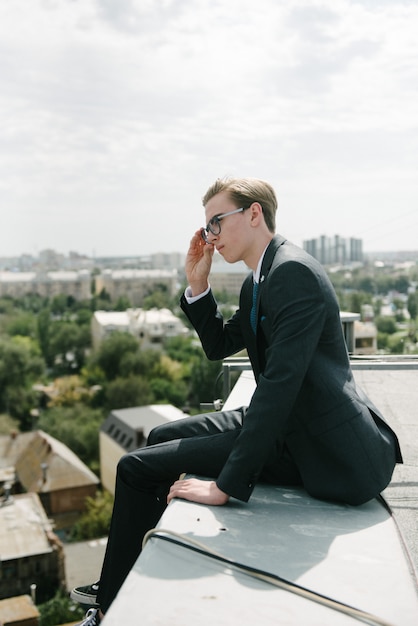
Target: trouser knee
x=124 y=465
x=158 y=434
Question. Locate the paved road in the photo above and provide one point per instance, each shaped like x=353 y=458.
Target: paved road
x=83 y=561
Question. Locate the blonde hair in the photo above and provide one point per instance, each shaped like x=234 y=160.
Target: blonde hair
x=245 y=191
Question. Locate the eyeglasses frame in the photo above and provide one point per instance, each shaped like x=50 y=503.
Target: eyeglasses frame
x=216 y=219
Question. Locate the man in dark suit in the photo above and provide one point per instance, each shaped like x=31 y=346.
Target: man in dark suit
x=307 y=422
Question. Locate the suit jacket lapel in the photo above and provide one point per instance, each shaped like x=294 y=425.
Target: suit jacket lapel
x=247 y=298
x=269 y=256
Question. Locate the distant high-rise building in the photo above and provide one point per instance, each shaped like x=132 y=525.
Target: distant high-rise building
x=331 y=250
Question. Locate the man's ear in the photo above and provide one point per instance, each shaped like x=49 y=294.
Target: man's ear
x=256 y=213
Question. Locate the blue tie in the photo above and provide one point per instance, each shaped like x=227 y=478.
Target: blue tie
x=253 y=314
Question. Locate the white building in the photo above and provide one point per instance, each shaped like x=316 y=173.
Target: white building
x=365 y=334
x=47 y=284
x=151 y=326
x=135 y=284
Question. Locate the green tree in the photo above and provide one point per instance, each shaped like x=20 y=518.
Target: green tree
x=401 y=283
x=34 y=302
x=112 y=351
x=385 y=324
x=8 y=424
x=19 y=402
x=122 y=303
x=22 y=323
x=61 y=304
x=83 y=316
x=182 y=349
x=382 y=341
x=69 y=391
x=399 y=309
x=224 y=297
x=6 y=305
x=44 y=329
x=365 y=283
x=396 y=342
x=203 y=380
x=412 y=304
x=95 y=522
x=158 y=298
x=356 y=299
x=19 y=369
x=169 y=392
x=141 y=363
x=78 y=428
x=59 y=610
x=122 y=393
x=68 y=344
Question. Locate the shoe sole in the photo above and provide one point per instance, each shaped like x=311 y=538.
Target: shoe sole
x=84 y=599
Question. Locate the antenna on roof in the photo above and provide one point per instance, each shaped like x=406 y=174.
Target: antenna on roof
x=44 y=468
x=7 y=497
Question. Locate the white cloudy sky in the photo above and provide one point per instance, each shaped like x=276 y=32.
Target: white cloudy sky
x=116 y=115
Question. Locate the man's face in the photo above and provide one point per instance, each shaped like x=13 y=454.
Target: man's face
x=234 y=235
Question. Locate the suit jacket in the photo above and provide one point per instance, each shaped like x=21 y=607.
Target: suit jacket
x=305 y=397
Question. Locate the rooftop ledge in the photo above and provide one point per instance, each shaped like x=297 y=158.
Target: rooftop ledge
x=284 y=557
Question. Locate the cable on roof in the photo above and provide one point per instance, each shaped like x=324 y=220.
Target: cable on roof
x=272 y=579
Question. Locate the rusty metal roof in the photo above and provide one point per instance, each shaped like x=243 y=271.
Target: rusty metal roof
x=46 y=465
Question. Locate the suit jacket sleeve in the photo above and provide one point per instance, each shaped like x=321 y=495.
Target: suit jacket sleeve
x=219 y=340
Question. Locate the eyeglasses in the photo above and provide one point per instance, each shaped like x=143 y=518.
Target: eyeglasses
x=214 y=224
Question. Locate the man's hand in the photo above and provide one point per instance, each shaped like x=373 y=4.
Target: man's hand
x=202 y=491
x=198 y=263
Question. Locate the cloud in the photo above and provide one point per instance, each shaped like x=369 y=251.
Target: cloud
x=119 y=113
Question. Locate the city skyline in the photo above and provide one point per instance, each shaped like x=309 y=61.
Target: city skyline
x=74 y=254
x=305 y=240
x=118 y=116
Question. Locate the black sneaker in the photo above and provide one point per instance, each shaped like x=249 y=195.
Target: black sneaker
x=86 y=595
x=91 y=618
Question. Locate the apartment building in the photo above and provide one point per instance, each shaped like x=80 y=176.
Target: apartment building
x=76 y=284
x=335 y=250
x=135 y=284
x=152 y=327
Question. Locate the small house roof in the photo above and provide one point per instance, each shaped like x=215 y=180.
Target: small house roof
x=47 y=464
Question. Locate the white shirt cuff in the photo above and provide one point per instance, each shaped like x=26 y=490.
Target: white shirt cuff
x=190 y=299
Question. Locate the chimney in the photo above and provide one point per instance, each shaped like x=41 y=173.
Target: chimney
x=44 y=468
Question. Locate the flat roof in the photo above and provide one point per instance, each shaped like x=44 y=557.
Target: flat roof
x=23 y=527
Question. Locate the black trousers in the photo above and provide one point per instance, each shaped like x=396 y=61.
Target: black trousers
x=197 y=445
